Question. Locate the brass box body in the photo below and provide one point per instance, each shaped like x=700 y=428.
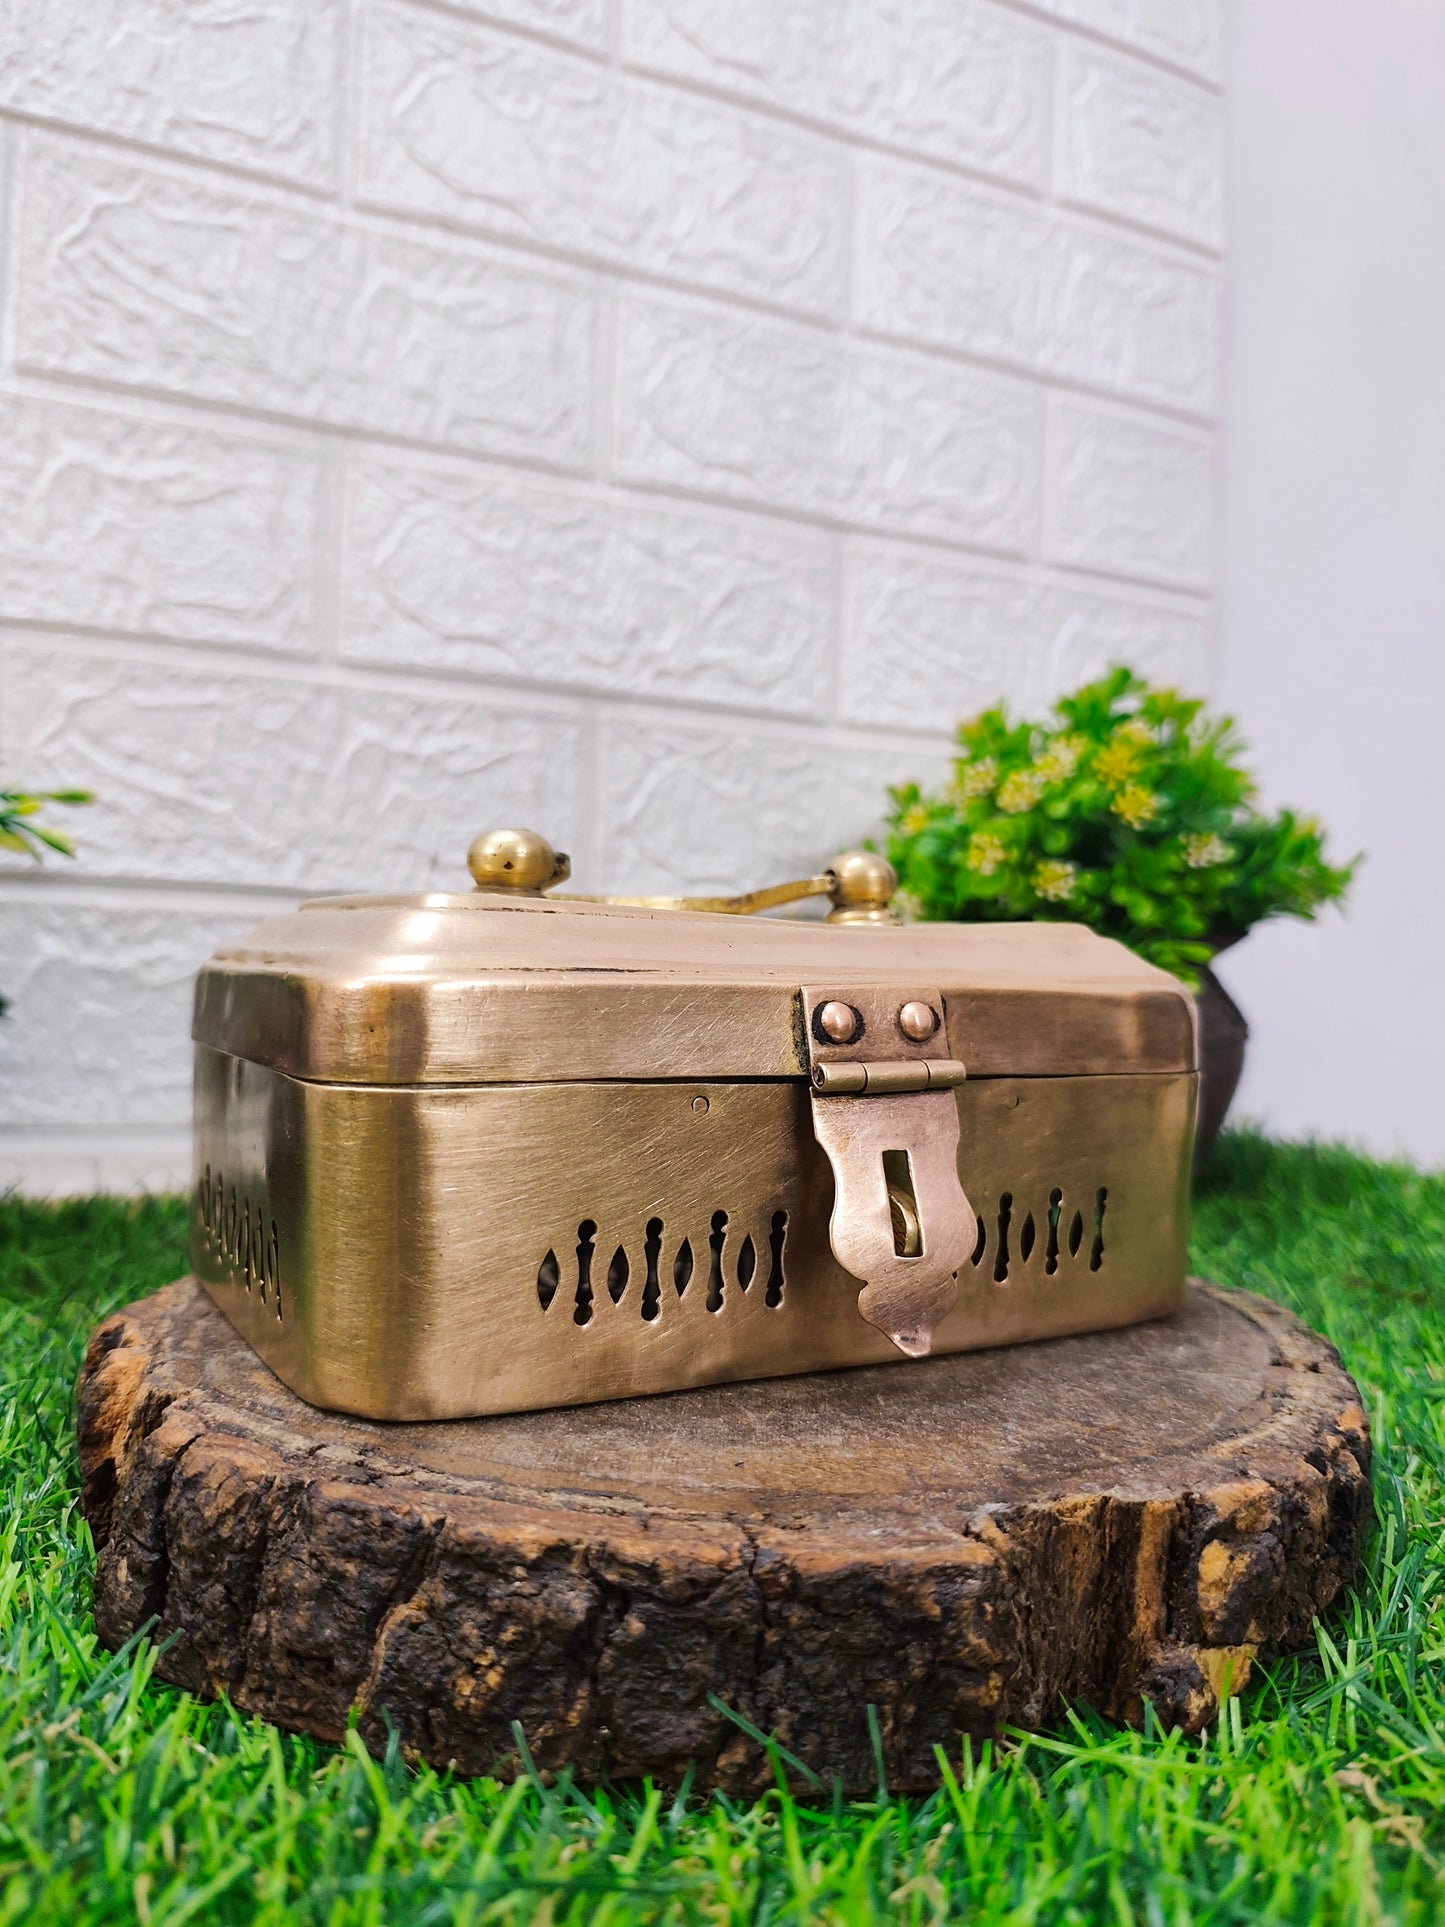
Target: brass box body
x=453 y=1160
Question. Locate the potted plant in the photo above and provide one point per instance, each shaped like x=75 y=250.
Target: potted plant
x=1127 y=810
x=20 y=832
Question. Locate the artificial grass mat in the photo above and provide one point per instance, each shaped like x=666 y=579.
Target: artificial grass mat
x=1320 y=1797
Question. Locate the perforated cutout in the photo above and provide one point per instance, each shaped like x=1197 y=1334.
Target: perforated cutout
x=1038 y=1236
x=1096 y=1253
x=243 y=1242
x=587 y=1300
x=715 y=1270
x=747 y=1262
x=1051 y=1249
x=776 y=1280
x=682 y=1267
x=1000 y=1255
x=652 y=1251
x=582 y=1304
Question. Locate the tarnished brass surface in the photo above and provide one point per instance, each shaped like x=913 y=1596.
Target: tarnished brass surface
x=446 y=989
x=470 y=1154
x=381 y=1247
x=901 y=1224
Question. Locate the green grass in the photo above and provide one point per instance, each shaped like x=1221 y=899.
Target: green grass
x=1321 y=1797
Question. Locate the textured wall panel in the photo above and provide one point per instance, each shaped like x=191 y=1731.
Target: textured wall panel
x=1189 y=33
x=521 y=141
x=252 y=85
x=942 y=261
x=99 y=1027
x=801 y=420
x=447 y=568
x=1130 y=497
x=1141 y=144
x=728 y=809
x=928 y=639
x=219 y=776
x=110 y=522
x=159 y=281
x=656 y=420
x=582 y=22
x=963 y=81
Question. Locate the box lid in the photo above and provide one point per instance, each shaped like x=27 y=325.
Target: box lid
x=505 y=985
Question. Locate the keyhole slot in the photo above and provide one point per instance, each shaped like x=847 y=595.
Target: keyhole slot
x=902 y=1204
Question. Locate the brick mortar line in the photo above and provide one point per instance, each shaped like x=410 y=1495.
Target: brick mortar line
x=317 y=200
x=580 y=704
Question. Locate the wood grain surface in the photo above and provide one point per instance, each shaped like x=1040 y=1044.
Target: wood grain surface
x=962 y=1542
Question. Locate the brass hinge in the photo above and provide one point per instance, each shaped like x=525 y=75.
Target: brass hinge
x=864 y=1080
x=901 y=1223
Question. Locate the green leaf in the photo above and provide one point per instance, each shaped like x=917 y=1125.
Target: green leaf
x=1140 y=885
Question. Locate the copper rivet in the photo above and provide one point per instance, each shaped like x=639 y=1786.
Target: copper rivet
x=700 y=1104
x=918 y=1021
x=839 y=1021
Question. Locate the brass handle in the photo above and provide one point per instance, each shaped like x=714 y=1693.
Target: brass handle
x=859 y=883
x=520 y=862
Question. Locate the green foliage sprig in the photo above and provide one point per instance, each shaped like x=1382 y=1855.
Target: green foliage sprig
x=1127 y=811
x=19 y=830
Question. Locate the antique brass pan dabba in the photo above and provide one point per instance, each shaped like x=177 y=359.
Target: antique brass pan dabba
x=487 y=1152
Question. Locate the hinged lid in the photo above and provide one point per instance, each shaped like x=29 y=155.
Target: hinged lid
x=504 y=985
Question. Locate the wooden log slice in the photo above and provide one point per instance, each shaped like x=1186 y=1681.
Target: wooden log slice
x=964 y=1543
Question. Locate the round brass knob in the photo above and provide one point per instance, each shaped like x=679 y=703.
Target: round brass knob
x=918 y=1021
x=519 y=860
x=862 y=886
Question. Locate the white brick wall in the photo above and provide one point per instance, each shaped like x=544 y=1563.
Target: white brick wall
x=655 y=420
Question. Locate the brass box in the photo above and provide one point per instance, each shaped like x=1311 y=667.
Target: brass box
x=460 y=1154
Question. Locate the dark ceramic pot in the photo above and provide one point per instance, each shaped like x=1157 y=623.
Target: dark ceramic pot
x=1223 y=1034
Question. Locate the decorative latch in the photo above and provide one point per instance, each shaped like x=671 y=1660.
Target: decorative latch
x=884 y=1112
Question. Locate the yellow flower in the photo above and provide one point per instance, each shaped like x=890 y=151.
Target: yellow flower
x=1203 y=852
x=1061 y=759
x=914 y=820
x=908 y=906
x=1136 y=806
x=1054 y=881
x=1020 y=791
x=986 y=853
x=976 y=779
x=1116 y=763
x=1136 y=730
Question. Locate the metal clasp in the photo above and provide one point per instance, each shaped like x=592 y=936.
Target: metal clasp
x=885 y=1115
